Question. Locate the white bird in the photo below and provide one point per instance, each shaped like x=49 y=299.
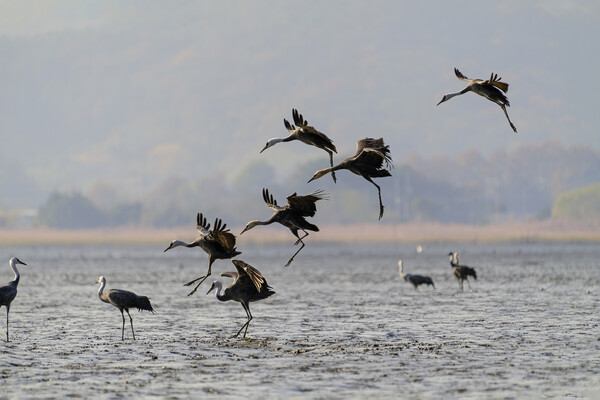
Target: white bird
x=491 y=89
x=8 y=291
x=123 y=300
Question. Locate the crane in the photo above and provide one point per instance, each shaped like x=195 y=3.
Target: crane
x=492 y=89
x=368 y=162
x=305 y=134
x=461 y=272
x=8 y=291
x=218 y=244
x=248 y=285
x=291 y=215
x=416 y=280
x=123 y=300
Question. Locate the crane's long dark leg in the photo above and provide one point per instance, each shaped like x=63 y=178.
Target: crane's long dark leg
x=7 y=310
x=123 y=328
x=331 y=163
x=509 y=121
x=292 y=259
x=300 y=238
x=201 y=279
x=130 y=321
x=379 y=194
x=249 y=315
x=469 y=283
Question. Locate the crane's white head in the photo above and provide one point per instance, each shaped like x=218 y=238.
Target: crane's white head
x=173 y=244
x=14 y=261
x=250 y=225
x=320 y=173
x=215 y=285
x=271 y=143
x=446 y=97
x=101 y=280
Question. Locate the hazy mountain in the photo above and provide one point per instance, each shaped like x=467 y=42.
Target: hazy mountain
x=134 y=93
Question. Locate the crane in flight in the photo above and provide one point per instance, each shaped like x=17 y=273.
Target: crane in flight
x=292 y=215
x=305 y=134
x=492 y=89
x=368 y=162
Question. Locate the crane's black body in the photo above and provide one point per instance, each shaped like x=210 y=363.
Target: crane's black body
x=415 y=279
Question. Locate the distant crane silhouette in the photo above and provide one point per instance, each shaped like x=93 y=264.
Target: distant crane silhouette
x=306 y=134
x=8 y=291
x=123 y=300
x=367 y=162
x=461 y=272
x=248 y=285
x=416 y=280
x=491 y=89
x=291 y=215
x=218 y=243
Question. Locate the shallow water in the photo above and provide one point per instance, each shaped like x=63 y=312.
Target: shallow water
x=341 y=325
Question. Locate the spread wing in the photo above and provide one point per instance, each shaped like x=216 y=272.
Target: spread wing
x=231 y=274
x=202 y=225
x=305 y=205
x=373 y=152
x=310 y=133
x=249 y=273
x=460 y=76
x=270 y=201
x=222 y=235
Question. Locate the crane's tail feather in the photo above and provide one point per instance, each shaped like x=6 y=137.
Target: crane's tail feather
x=143 y=303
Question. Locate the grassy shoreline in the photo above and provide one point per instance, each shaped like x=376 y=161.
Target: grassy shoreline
x=552 y=230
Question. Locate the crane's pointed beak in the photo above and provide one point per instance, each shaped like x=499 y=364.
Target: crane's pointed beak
x=266 y=147
x=211 y=288
x=441 y=101
x=168 y=248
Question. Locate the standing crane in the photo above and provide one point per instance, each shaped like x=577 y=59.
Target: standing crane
x=123 y=300
x=491 y=89
x=291 y=215
x=416 y=280
x=367 y=162
x=248 y=285
x=218 y=243
x=461 y=272
x=306 y=134
x=8 y=291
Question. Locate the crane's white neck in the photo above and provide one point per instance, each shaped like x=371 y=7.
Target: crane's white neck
x=13 y=266
x=274 y=141
x=402 y=275
x=102 y=281
x=219 y=287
